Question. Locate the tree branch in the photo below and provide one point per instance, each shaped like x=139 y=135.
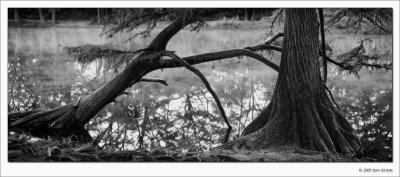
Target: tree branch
x=275 y=18
x=92 y=157
x=198 y=73
x=266 y=44
x=144 y=79
x=196 y=59
x=355 y=58
x=161 y=40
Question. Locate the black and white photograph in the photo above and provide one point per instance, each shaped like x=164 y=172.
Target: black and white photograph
x=158 y=85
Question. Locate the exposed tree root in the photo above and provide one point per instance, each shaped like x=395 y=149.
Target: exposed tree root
x=317 y=127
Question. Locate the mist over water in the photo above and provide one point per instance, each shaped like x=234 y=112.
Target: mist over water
x=183 y=114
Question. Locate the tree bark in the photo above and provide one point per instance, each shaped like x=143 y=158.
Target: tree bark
x=322 y=30
x=53 y=16
x=300 y=113
x=246 y=14
x=17 y=18
x=253 y=15
x=41 y=16
x=99 y=15
x=143 y=126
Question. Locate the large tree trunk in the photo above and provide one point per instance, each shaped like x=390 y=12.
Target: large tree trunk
x=41 y=16
x=300 y=113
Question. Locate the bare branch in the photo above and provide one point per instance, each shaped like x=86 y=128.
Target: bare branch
x=198 y=73
x=266 y=44
x=337 y=17
x=196 y=59
x=154 y=80
x=161 y=40
x=100 y=136
x=92 y=157
x=330 y=94
x=275 y=18
x=380 y=26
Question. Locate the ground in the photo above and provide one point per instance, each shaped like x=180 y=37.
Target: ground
x=68 y=151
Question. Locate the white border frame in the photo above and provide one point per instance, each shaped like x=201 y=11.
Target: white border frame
x=197 y=169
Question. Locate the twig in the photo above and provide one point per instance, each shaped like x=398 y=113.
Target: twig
x=267 y=43
x=275 y=18
x=166 y=158
x=15 y=153
x=85 y=148
x=92 y=157
x=145 y=155
x=336 y=18
x=198 y=73
x=97 y=140
x=330 y=94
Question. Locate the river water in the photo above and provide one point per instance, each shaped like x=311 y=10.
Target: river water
x=42 y=76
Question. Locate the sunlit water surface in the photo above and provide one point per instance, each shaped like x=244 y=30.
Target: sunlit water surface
x=183 y=114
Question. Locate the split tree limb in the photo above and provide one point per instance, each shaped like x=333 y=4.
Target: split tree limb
x=33 y=115
x=198 y=73
x=15 y=116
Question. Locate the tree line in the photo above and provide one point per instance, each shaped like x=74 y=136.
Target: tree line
x=100 y=15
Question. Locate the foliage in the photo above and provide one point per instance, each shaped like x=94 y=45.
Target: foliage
x=127 y=20
x=367 y=20
x=87 y=54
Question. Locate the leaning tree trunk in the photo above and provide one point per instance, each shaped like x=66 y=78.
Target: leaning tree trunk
x=76 y=115
x=300 y=113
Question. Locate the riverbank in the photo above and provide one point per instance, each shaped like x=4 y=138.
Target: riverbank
x=23 y=150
